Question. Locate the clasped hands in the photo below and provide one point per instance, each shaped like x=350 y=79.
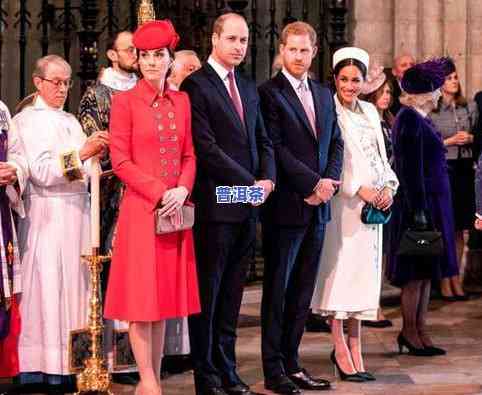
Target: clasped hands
x=324 y=191
x=381 y=199
x=8 y=174
x=460 y=138
x=171 y=205
x=267 y=186
x=478 y=223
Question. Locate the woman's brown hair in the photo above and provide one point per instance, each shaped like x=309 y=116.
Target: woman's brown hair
x=375 y=95
x=459 y=99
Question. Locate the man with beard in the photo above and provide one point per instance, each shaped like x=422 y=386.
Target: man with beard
x=94 y=113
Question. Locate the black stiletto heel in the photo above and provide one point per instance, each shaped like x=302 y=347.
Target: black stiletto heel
x=353 y=377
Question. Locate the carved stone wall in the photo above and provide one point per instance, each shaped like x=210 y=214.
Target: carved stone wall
x=424 y=28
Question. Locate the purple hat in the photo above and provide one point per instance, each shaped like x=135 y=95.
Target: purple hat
x=425 y=77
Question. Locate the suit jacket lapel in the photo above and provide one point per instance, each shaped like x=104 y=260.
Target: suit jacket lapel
x=291 y=96
x=219 y=84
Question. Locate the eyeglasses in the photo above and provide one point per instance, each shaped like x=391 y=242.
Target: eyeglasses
x=58 y=83
x=129 y=50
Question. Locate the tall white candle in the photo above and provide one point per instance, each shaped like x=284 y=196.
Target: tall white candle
x=95 y=203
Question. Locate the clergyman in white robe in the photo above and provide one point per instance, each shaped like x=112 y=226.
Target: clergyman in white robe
x=52 y=237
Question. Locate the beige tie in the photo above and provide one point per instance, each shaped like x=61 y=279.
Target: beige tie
x=304 y=95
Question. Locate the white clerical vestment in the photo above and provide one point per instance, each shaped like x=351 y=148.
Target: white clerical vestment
x=52 y=237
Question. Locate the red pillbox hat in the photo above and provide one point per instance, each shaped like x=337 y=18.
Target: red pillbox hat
x=155 y=35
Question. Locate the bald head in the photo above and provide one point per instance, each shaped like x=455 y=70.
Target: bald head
x=401 y=64
x=185 y=63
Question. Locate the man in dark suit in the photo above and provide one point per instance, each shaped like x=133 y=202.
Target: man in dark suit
x=301 y=121
x=232 y=149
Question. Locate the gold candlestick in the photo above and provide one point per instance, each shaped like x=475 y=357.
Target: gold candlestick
x=95 y=376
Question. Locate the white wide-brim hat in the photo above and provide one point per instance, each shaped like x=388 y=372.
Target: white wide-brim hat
x=351 y=53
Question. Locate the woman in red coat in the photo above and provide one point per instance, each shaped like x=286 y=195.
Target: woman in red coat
x=153 y=277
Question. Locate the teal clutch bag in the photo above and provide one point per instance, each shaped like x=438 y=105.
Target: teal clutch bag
x=372 y=216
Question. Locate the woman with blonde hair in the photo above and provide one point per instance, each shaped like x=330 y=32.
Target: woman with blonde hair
x=423 y=203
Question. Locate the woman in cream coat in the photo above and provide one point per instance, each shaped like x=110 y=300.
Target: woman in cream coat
x=349 y=279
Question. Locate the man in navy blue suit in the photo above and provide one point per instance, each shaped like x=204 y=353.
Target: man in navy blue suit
x=300 y=118
x=233 y=150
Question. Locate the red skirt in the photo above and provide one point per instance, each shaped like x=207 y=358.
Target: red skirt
x=153 y=287
x=9 y=345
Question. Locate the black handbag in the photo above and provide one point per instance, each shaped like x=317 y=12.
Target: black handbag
x=371 y=215
x=421 y=243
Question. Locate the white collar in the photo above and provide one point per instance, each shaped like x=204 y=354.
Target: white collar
x=40 y=104
x=117 y=81
x=218 y=68
x=421 y=112
x=295 y=82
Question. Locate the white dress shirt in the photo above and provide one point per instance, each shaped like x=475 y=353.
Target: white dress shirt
x=295 y=83
x=223 y=74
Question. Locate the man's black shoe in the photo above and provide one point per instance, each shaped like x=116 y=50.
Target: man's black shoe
x=317 y=323
x=281 y=385
x=176 y=364
x=306 y=382
x=212 y=391
x=58 y=389
x=125 y=378
x=239 y=389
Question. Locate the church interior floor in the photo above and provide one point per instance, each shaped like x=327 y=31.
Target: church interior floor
x=457 y=327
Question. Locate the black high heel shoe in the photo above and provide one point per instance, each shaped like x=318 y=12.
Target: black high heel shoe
x=367 y=376
x=412 y=350
x=435 y=350
x=353 y=377
x=448 y=298
x=461 y=298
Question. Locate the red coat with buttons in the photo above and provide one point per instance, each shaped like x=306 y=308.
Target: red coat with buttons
x=152 y=277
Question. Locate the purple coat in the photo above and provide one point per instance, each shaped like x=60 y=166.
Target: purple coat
x=421 y=168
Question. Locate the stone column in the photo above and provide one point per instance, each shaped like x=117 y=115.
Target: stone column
x=430 y=20
x=373 y=28
x=455 y=34
x=405 y=28
x=474 y=48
